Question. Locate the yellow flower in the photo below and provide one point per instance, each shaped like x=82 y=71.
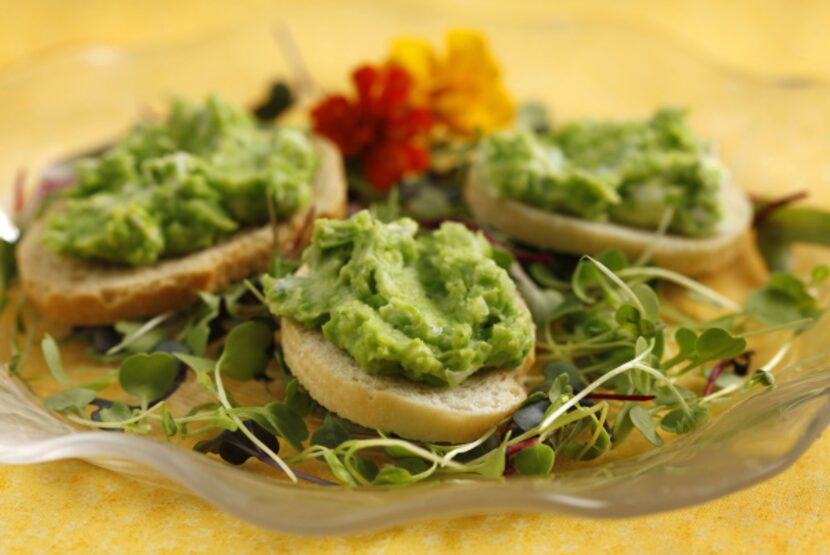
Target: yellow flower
x=463 y=89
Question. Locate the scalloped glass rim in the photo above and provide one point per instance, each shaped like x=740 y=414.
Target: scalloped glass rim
x=105 y=89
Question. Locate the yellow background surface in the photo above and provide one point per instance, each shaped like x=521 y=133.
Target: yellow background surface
x=76 y=508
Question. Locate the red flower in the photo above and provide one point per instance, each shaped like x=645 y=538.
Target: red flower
x=380 y=126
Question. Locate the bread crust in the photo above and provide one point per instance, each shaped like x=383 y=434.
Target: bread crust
x=690 y=256
x=396 y=404
x=81 y=292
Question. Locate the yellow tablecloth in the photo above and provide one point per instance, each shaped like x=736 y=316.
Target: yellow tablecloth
x=73 y=507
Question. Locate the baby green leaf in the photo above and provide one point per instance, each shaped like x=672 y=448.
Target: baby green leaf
x=287 y=423
x=338 y=468
x=783 y=299
x=168 y=423
x=53 y=359
x=137 y=341
x=331 y=434
x=585 y=277
x=718 y=344
x=681 y=422
x=297 y=398
x=413 y=465
x=536 y=460
x=72 y=400
x=556 y=368
x=613 y=259
x=200 y=364
x=118 y=412
x=648 y=298
x=366 y=468
x=246 y=351
x=392 y=476
x=645 y=425
x=686 y=340
x=148 y=376
x=197 y=336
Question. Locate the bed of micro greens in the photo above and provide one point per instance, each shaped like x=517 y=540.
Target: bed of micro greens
x=613 y=353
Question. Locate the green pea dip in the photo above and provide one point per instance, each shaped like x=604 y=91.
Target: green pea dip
x=176 y=186
x=433 y=307
x=634 y=173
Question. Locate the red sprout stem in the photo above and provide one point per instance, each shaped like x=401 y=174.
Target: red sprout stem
x=513 y=449
x=769 y=208
x=714 y=375
x=619 y=397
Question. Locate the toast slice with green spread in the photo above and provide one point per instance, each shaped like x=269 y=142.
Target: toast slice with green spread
x=420 y=334
x=76 y=291
x=396 y=404
x=570 y=234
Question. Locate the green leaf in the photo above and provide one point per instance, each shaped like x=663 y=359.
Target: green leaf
x=718 y=344
x=640 y=346
x=168 y=423
x=148 y=376
x=777 y=253
x=585 y=277
x=392 y=476
x=492 y=465
x=331 y=434
x=648 y=298
x=627 y=314
x=413 y=465
x=246 y=353
x=536 y=460
x=118 y=412
x=338 y=468
x=72 y=400
x=196 y=338
x=366 y=468
x=641 y=419
x=665 y=395
x=686 y=341
x=297 y=398
x=680 y=422
x=143 y=343
x=53 y=359
x=553 y=370
x=613 y=259
x=783 y=299
x=543 y=303
x=799 y=225
x=201 y=365
x=287 y=423
x=559 y=389
x=231 y=296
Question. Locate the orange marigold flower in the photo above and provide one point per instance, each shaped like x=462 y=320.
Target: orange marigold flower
x=381 y=126
x=463 y=89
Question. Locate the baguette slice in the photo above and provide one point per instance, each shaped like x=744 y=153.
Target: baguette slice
x=691 y=256
x=396 y=404
x=75 y=291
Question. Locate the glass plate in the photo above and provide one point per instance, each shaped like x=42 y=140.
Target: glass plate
x=771 y=134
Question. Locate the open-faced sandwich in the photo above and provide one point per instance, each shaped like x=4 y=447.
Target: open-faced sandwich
x=192 y=203
x=644 y=187
x=421 y=335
